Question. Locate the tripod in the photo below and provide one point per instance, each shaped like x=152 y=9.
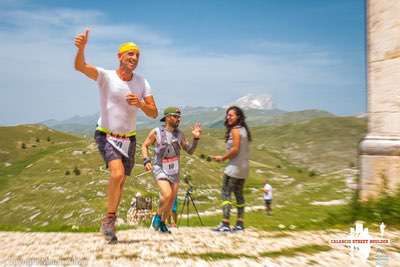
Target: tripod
x=188 y=196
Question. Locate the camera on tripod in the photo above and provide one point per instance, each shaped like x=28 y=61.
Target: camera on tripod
x=187 y=179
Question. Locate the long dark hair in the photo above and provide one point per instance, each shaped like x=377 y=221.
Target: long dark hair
x=240 y=122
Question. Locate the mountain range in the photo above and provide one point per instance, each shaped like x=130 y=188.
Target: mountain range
x=210 y=117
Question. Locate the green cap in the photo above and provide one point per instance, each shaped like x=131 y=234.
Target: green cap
x=171 y=111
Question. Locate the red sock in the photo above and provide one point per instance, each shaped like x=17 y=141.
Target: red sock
x=110 y=214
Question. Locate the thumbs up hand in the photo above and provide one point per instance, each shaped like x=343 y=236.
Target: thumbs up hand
x=81 y=39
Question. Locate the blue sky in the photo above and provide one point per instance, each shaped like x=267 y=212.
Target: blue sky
x=306 y=54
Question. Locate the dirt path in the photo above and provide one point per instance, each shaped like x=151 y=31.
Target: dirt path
x=188 y=247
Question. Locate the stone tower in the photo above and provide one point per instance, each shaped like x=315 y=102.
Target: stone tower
x=380 y=149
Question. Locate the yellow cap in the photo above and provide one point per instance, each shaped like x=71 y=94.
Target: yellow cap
x=128 y=46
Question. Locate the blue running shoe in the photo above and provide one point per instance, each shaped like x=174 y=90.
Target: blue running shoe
x=156 y=222
x=164 y=228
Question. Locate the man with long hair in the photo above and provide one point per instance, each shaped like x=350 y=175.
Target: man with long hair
x=237 y=136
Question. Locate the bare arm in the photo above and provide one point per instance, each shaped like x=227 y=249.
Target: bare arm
x=150 y=140
x=80 y=64
x=196 y=132
x=148 y=106
x=231 y=153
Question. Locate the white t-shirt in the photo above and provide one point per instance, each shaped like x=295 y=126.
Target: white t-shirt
x=268 y=196
x=116 y=114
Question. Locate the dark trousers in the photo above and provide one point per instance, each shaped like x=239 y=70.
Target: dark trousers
x=235 y=185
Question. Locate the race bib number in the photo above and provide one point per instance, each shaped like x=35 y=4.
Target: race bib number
x=170 y=165
x=119 y=143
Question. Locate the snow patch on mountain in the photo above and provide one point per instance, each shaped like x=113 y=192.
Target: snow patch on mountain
x=251 y=101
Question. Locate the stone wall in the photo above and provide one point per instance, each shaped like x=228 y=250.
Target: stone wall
x=380 y=149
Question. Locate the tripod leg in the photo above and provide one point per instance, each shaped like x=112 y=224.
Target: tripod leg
x=194 y=205
x=185 y=202
x=187 y=211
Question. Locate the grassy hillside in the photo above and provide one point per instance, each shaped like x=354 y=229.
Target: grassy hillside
x=322 y=144
x=39 y=189
x=20 y=146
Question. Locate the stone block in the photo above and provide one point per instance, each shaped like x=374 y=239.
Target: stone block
x=384 y=86
x=379 y=174
x=384 y=124
x=383 y=29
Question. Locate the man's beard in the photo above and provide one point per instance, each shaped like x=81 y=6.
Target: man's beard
x=126 y=66
x=175 y=125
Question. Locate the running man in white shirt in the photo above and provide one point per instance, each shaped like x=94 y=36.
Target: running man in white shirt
x=122 y=94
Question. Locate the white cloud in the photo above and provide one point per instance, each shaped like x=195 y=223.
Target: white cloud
x=49 y=17
x=37 y=53
x=138 y=33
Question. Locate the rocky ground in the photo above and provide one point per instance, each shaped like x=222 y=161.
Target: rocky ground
x=188 y=246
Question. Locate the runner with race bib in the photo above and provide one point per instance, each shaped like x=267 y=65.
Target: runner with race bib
x=168 y=140
x=122 y=94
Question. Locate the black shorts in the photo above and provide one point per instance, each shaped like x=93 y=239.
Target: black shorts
x=108 y=152
x=268 y=201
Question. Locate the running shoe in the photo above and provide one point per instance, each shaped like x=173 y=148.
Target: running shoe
x=164 y=228
x=222 y=228
x=238 y=227
x=156 y=222
x=108 y=229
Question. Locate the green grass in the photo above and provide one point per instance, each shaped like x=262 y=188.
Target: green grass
x=312 y=262
x=330 y=140
x=131 y=256
x=384 y=209
x=292 y=252
x=286 y=252
x=302 y=218
x=211 y=256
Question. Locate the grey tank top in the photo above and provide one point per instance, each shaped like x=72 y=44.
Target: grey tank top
x=238 y=167
x=167 y=147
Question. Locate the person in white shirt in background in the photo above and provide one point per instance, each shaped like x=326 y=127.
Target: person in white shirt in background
x=268 y=197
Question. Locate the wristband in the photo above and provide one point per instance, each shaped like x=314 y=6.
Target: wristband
x=197 y=139
x=146 y=160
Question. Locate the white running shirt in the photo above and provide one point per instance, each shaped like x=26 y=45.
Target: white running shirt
x=268 y=196
x=116 y=114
